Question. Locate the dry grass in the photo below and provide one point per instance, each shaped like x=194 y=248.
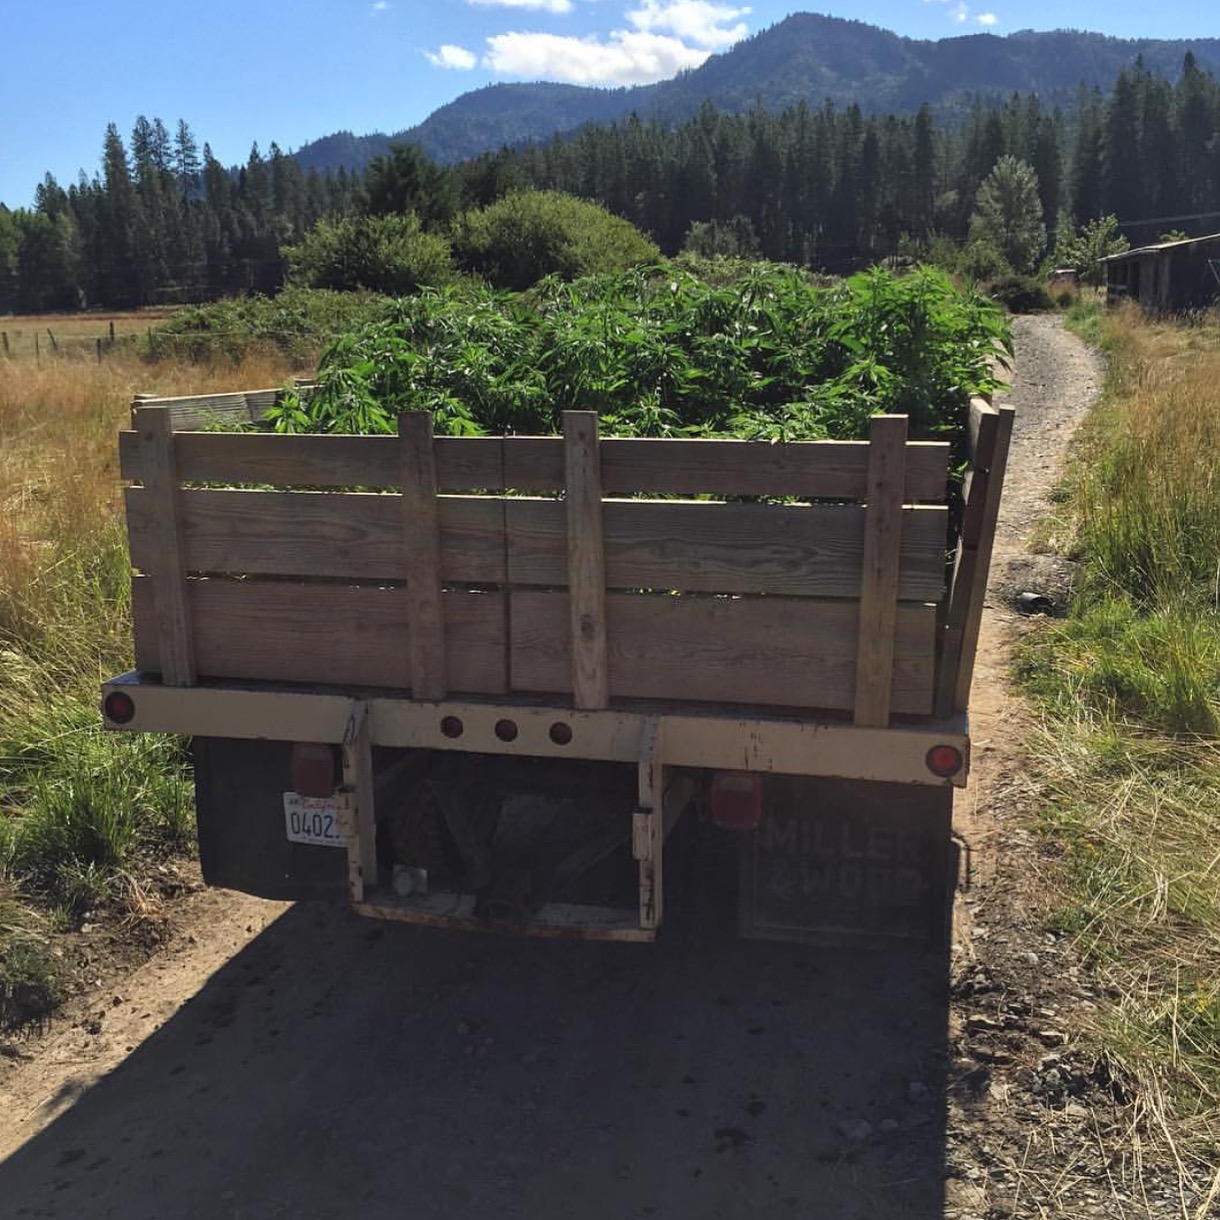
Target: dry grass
x=81 y=811
x=1130 y=751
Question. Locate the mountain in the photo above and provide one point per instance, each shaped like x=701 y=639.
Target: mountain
x=806 y=57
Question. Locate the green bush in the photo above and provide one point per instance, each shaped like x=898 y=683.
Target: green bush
x=297 y=323
x=523 y=238
x=386 y=254
x=1020 y=294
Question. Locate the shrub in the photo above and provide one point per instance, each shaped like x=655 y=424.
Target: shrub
x=1020 y=294
x=387 y=254
x=519 y=240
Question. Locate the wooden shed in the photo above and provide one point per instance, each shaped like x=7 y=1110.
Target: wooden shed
x=1169 y=276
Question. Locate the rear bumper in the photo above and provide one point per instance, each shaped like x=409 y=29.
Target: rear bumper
x=730 y=739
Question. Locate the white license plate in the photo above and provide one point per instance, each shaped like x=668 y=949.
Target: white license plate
x=312 y=819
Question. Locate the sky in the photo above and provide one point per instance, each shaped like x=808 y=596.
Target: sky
x=246 y=71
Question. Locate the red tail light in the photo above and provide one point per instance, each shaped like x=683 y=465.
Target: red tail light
x=313 y=769
x=119 y=707
x=737 y=800
x=945 y=761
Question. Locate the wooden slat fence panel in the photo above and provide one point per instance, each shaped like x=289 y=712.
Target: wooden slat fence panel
x=832 y=470
x=282 y=631
x=796 y=550
x=326 y=534
x=773 y=651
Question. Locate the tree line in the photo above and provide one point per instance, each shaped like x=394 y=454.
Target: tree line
x=828 y=187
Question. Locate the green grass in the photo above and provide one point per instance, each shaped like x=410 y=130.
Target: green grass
x=1129 y=687
x=84 y=815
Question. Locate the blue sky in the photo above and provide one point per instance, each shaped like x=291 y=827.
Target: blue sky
x=240 y=71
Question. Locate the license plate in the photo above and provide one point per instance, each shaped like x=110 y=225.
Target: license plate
x=312 y=819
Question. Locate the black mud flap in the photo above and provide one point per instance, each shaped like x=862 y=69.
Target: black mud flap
x=243 y=840
x=840 y=862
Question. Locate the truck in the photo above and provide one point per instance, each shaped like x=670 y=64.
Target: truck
x=479 y=682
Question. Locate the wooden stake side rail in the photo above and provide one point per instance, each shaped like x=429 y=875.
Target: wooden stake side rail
x=778 y=603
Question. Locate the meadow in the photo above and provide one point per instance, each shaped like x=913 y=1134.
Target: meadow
x=83 y=815
x=1129 y=687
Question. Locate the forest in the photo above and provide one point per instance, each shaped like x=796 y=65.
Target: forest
x=831 y=189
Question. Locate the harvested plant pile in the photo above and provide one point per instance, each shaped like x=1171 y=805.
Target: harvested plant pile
x=771 y=356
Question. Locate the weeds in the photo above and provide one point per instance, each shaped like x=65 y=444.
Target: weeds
x=1130 y=687
x=82 y=812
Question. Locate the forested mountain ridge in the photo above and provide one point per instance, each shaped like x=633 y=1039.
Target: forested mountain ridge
x=806 y=57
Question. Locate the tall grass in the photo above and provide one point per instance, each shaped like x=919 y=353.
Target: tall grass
x=80 y=810
x=1130 y=686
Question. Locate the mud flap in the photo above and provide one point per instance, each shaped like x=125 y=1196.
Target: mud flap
x=239 y=798
x=846 y=862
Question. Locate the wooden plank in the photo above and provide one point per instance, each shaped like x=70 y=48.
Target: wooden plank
x=421 y=542
x=586 y=560
x=172 y=613
x=969 y=586
x=810 y=469
x=648 y=826
x=281 y=631
x=879 y=572
x=203 y=411
x=358 y=779
x=981 y=426
x=766 y=651
x=794 y=550
x=345 y=535
x=462 y=463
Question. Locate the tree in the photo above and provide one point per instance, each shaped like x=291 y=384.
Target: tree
x=409 y=181
x=1008 y=214
x=1086 y=249
x=386 y=254
x=522 y=238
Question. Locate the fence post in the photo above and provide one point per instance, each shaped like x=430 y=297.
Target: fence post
x=37 y=349
x=4 y=336
x=99 y=351
x=54 y=345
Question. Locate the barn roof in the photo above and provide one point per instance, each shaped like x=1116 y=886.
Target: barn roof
x=1158 y=247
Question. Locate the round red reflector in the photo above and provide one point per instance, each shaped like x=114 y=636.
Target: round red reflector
x=945 y=761
x=119 y=707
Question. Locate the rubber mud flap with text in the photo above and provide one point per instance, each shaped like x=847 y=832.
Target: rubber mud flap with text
x=836 y=861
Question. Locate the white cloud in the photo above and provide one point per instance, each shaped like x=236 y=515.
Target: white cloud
x=542 y=6
x=666 y=37
x=693 y=21
x=450 y=56
x=626 y=58
x=987 y=19
x=959 y=12
x=380 y=6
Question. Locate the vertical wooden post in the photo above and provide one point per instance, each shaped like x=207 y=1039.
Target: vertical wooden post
x=158 y=471
x=879 y=583
x=990 y=436
x=586 y=560
x=4 y=336
x=421 y=547
x=99 y=351
x=648 y=826
x=360 y=822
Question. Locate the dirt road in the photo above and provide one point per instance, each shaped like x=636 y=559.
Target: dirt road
x=298 y=1062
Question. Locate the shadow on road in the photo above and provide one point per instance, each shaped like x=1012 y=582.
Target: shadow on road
x=341 y=1068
